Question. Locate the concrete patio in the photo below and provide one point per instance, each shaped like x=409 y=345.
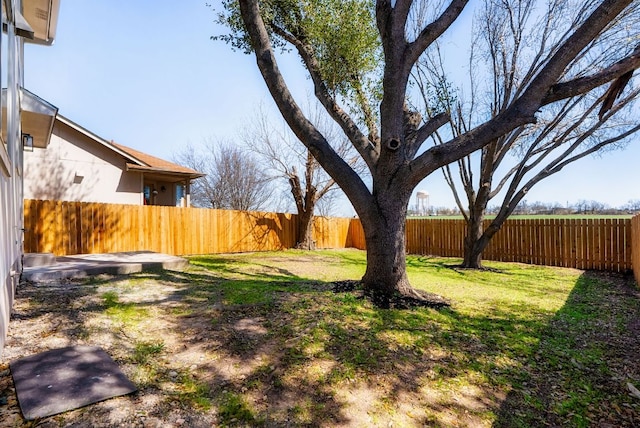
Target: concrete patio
x=44 y=267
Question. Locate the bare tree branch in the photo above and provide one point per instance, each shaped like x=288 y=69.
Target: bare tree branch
x=624 y=67
x=433 y=31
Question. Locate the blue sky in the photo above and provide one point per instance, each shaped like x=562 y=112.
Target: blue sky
x=146 y=74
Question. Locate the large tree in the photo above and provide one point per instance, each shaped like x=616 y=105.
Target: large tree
x=285 y=158
x=331 y=39
x=504 y=59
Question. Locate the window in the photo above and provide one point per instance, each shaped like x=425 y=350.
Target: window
x=180 y=193
x=147 y=194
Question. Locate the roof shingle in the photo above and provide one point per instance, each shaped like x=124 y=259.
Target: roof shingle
x=156 y=164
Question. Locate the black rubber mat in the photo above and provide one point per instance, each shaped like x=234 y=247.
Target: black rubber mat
x=64 y=379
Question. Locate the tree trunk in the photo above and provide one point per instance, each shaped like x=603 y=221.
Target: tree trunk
x=477 y=239
x=386 y=273
x=476 y=242
x=305 y=231
x=472 y=249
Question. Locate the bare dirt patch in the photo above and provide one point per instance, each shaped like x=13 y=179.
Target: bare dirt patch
x=213 y=359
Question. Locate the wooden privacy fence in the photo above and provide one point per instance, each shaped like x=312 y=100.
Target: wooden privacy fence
x=635 y=250
x=66 y=228
x=600 y=244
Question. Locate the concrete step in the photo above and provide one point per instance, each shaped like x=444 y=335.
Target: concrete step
x=39 y=259
x=84 y=265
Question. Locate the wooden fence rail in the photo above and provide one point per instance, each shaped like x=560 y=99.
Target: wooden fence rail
x=66 y=228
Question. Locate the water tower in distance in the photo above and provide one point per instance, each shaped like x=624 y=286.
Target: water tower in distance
x=422 y=202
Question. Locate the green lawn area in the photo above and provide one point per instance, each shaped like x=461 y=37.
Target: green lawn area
x=262 y=339
x=520 y=346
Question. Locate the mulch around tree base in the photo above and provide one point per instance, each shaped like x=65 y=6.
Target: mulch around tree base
x=397 y=301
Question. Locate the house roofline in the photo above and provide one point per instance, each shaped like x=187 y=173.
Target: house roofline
x=133 y=162
x=143 y=168
x=43 y=18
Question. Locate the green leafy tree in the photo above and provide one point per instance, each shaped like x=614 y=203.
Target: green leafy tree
x=384 y=40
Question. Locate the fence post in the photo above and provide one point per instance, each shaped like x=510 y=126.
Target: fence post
x=635 y=247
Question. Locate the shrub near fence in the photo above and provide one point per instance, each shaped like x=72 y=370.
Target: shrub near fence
x=65 y=228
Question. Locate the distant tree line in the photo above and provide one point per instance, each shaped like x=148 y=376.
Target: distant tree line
x=548 y=208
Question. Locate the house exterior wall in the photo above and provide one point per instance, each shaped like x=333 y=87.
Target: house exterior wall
x=75 y=168
x=11 y=201
x=10 y=247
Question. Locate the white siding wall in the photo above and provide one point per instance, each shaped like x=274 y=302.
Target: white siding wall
x=74 y=168
x=11 y=217
x=10 y=253
x=11 y=158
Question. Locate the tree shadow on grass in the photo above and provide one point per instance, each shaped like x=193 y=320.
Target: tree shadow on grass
x=437 y=264
x=302 y=358
x=577 y=375
x=275 y=353
x=291 y=352
x=241 y=266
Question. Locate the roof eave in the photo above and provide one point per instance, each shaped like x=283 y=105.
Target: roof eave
x=138 y=168
x=42 y=15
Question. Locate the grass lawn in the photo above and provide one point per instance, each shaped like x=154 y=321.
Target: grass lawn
x=263 y=340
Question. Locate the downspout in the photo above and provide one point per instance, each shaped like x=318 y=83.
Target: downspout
x=20 y=151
